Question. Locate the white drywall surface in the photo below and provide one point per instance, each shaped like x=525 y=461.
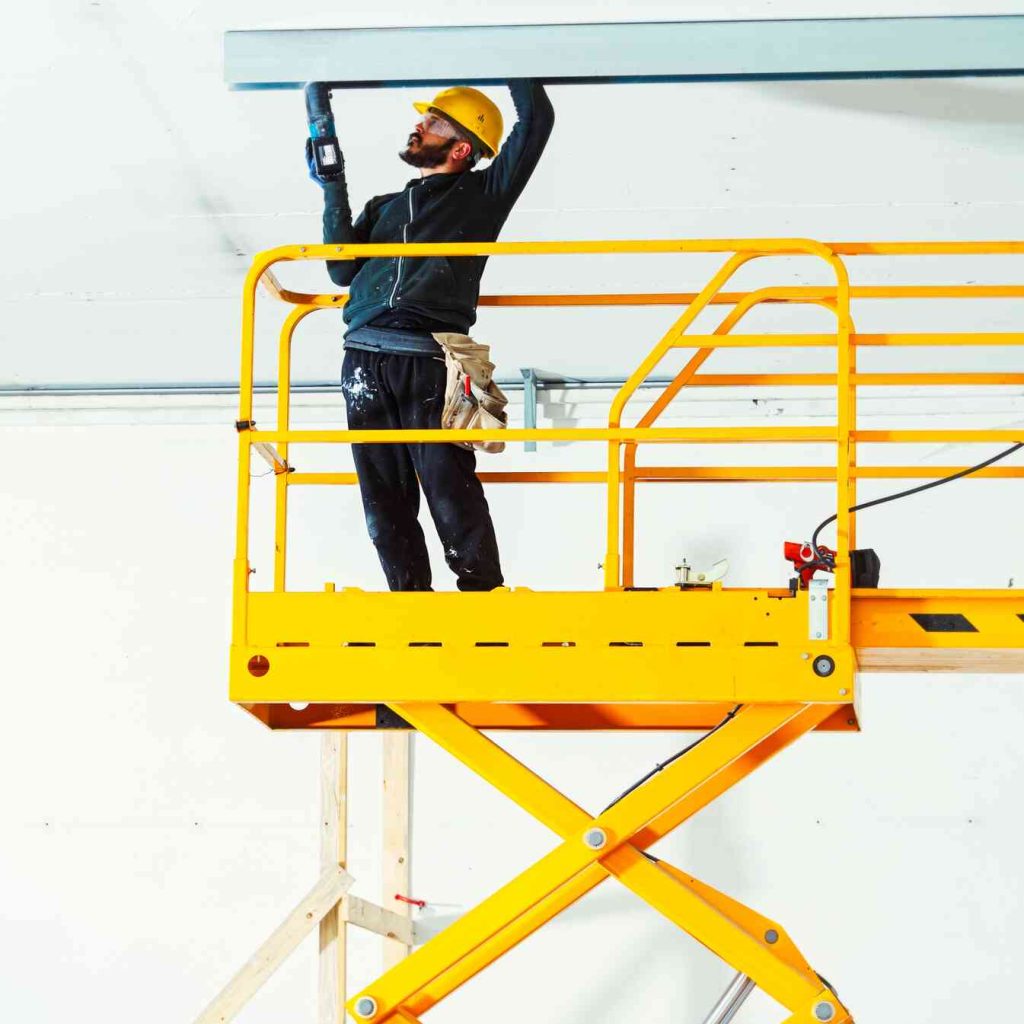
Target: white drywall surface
x=151 y=834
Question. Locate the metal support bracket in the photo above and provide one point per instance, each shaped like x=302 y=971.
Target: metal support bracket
x=817 y=610
x=529 y=404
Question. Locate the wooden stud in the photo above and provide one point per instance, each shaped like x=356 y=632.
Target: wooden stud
x=333 y=852
x=332 y=885
x=396 y=872
x=364 y=914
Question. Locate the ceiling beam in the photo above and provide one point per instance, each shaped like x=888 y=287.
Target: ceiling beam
x=627 y=52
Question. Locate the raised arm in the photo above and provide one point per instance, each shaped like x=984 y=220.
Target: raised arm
x=339 y=229
x=326 y=165
x=518 y=157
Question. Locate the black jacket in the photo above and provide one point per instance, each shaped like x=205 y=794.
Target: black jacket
x=470 y=206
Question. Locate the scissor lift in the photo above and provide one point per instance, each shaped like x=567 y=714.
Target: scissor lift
x=759 y=667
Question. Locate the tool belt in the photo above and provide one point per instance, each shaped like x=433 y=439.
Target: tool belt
x=472 y=400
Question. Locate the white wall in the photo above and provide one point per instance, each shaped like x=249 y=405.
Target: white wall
x=151 y=833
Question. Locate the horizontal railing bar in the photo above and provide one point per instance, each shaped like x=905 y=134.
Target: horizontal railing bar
x=512 y=476
x=768 y=246
x=642 y=435
x=934 y=379
x=698 y=474
x=924 y=338
x=779 y=295
x=812 y=474
x=370 y=250
x=646 y=435
x=937 y=338
x=940 y=436
x=861 y=379
x=926 y=248
x=934 y=472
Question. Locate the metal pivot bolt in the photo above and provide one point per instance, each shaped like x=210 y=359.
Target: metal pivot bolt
x=823 y=665
x=595 y=838
x=771 y=936
x=366 y=1007
x=824 y=1010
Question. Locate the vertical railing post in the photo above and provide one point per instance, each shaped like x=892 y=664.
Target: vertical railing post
x=240 y=603
x=852 y=443
x=629 y=516
x=613 y=538
x=845 y=412
x=284 y=405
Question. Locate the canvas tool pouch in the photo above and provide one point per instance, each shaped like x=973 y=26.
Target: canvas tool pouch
x=472 y=400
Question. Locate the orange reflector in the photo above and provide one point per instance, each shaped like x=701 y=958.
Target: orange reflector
x=259 y=665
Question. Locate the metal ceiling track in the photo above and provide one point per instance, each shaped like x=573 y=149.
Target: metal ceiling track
x=670 y=51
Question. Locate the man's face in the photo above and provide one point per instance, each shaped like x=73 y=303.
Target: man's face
x=430 y=142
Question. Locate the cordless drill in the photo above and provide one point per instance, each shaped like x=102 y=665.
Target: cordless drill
x=323 y=138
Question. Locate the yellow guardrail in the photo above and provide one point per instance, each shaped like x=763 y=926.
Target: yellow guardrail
x=622 y=472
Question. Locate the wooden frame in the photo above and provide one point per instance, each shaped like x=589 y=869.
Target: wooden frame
x=328 y=904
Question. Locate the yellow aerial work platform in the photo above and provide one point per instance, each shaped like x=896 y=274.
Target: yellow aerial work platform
x=759 y=667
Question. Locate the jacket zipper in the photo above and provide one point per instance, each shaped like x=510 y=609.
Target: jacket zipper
x=405 y=238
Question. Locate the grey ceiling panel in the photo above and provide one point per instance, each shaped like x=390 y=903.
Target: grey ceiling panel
x=623 y=52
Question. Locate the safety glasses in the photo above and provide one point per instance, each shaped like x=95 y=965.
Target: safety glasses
x=434 y=125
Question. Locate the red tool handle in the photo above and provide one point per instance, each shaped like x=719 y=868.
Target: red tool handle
x=408 y=899
x=802 y=557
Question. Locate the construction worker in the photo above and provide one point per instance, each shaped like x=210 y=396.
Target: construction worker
x=393 y=374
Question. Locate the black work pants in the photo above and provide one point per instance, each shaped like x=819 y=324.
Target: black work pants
x=385 y=391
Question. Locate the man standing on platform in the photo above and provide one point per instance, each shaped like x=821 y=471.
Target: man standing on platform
x=393 y=375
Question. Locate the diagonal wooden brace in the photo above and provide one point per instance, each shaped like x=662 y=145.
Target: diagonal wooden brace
x=616 y=839
x=331 y=887
x=364 y=914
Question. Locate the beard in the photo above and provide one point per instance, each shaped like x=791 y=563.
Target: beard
x=425 y=154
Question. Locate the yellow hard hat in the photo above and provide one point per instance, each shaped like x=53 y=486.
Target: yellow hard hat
x=471 y=110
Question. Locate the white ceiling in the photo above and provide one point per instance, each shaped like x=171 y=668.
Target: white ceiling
x=135 y=187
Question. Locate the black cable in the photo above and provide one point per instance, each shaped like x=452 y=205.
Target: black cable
x=826 y=563
x=675 y=757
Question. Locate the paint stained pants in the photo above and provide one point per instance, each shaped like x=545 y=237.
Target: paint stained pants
x=385 y=391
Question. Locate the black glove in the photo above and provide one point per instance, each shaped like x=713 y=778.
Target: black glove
x=311 y=164
x=324 y=160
